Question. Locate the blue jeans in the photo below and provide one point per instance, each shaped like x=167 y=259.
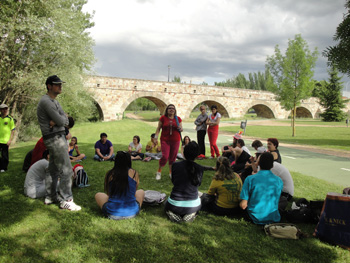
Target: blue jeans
x=59 y=167
x=97 y=158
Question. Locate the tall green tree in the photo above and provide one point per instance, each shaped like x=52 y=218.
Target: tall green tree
x=293 y=74
x=339 y=55
x=331 y=98
x=38 y=39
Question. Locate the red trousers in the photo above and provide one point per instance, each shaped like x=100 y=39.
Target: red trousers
x=169 y=152
x=213 y=133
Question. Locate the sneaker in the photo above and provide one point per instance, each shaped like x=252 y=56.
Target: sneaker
x=48 y=201
x=211 y=157
x=101 y=159
x=158 y=175
x=2 y=171
x=147 y=159
x=70 y=205
x=78 y=161
x=173 y=217
x=189 y=217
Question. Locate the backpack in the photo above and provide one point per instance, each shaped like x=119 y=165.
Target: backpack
x=303 y=211
x=154 y=198
x=80 y=178
x=283 y=230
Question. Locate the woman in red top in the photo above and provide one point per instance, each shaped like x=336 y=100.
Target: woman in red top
x=171 y=127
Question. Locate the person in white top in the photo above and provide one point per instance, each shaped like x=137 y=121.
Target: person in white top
x=213 y=130
x=135 y=148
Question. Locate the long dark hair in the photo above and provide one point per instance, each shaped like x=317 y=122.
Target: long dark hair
x=116 y=180
x=183 y=141
x=214 y=107
x=191 y=151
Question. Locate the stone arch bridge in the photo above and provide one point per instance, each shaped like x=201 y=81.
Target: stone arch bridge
x=113 y=95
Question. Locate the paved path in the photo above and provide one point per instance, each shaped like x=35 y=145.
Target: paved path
x=333 y=169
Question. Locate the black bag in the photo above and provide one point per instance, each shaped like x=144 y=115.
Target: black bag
x=304 y=211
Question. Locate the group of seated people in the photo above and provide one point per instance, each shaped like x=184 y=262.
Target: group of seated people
x=104 y=149
x=258 y=198
x=253 y=187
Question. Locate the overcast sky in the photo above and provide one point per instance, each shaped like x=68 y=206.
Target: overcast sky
x=205 y=40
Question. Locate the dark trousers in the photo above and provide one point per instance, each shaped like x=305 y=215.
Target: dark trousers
x=201 y=143
x=4 y=161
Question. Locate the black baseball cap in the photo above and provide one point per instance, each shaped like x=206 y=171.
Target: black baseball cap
x=54 y=79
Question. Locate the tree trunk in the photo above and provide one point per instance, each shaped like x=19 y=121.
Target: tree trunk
x=293 y=121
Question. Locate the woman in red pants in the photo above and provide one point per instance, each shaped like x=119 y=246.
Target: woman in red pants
x=171 y=127
x=213 y=130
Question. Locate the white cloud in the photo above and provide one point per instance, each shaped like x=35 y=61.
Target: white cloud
x=139 y=38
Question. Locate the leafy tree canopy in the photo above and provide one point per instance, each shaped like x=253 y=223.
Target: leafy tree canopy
x=331 y=98
x=256 y=81
x=339 y=55
x=38 y=39
x=292 y=74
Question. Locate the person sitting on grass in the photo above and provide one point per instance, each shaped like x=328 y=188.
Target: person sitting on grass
x=223 y=194
x=34 y=184
x=261 y=193
x=104 y=149
x=241 y=144
x=184 y=203
x=73 y=145
x=186 y=140
x=241 y=158
x=288 y=184
x=122 y=200
x=153 y=149
x=258 y=146
x=135 y=148
x=272 y=145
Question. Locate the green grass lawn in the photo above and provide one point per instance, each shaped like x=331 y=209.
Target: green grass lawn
x=322 y=137
x=316 y=122
x=33 y=232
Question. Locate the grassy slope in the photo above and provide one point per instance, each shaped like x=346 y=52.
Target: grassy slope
x=32 y=232
x=323 y=137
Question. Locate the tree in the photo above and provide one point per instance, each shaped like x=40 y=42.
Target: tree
x=38 y=39
x=292 y=74
x=331 y=99
x=339 y=54
x=176 y=79
x=256 y=81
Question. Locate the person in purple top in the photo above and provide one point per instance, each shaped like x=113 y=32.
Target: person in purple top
x=104 y=149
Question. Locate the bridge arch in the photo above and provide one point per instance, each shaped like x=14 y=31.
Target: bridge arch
x=303 y=112
x=99 y=110
x=161 y=104
x=222 y=108
x=262 y=109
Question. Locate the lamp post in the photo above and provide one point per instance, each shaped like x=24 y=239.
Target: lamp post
x=168 y=72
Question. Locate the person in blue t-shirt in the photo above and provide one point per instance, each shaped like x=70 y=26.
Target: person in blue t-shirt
x=104 y=149
x=121 y=199
x=261 y=193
